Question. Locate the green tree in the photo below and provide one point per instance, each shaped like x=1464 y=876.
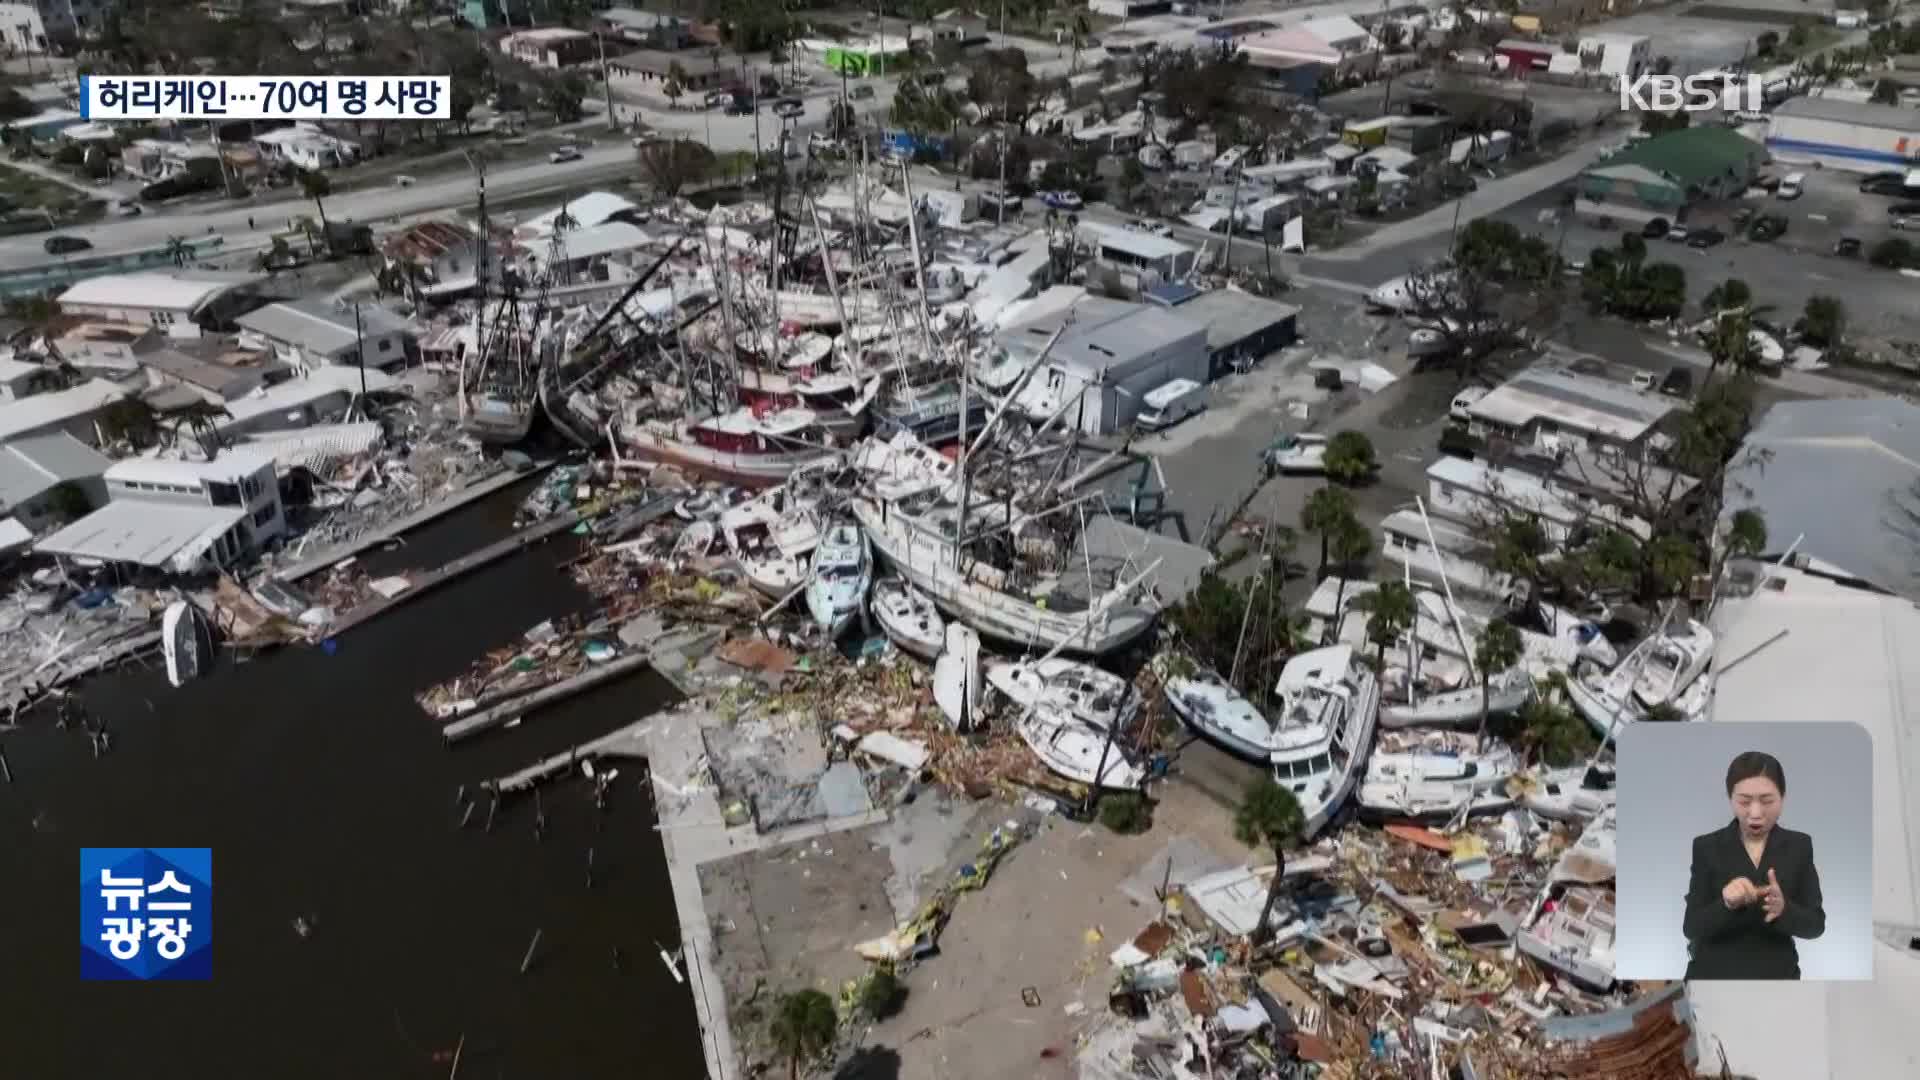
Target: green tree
x=1552 y=735
x=673 y=164
x=1348 y=543
x=1495 y=652
x=179 y=250
x=1893 y=253
x=1125 y=812
x=1519 y=547
x=881 y=993
x=803 y=1027
x=1350 y=457
x=676 y=84
x=1797 y=35
x=1326 y=511
x=1747 y=533
x=1729 y=294
x=315 y=185
x=1393 y=610
x=1824 y=322
x=1729 y=344
x=1269 y=816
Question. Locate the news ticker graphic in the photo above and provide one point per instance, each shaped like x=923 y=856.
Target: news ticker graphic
x=265 y=97
x=146 y=913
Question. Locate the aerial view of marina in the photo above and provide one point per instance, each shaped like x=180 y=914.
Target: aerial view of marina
x=906 y=543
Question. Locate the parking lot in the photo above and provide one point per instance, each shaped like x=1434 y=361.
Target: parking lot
x=1693 y=39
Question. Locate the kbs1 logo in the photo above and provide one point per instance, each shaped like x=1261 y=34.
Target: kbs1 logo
x=1693 y=93
x=146 y=913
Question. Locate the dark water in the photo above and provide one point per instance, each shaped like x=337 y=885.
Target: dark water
x=325 y=792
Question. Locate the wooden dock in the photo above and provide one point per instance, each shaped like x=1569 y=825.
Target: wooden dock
x=473 y=492
x=465 y=564
x=626 y=742
x=486 y=719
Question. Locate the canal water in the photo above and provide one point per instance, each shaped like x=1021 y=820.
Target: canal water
x=326 y=793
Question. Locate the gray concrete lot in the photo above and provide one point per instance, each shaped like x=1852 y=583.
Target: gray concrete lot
x=1695 y=42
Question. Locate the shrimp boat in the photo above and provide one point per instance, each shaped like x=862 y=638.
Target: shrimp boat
x=742 y=446
x=922 y=549
x=931 y=413
x=1436 y=774
x=908 y=618
x=1076 y=751
x=1099 y=699
x=186 y=641
x=841 y=571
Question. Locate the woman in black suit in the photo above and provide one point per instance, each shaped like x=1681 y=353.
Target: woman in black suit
x=1754 y=887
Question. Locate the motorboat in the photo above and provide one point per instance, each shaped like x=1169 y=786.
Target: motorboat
x=744 y=446
x=1296 y=454
x=1611 y=700
x=908 y=618
x=1576 y=793
x=1573 y=933
x=1096 y=698
x=1078 y=752
x=841 y=570
x=1329 y=702
x=1436 y=774
x=1215 y=711
x=957 y=685
x=1673 y=661
x=772 y=537
x=1591 y=860
x=186 y=640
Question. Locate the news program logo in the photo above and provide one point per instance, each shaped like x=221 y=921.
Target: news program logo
x=146 y=913
x=1693 y=93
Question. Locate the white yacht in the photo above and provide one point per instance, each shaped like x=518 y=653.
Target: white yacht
x=1672 y=663
x=1572 y=931
x=841 y=571
x=1096 y=698
x=1329 y=700
x=1432 y=774
x=957 y=686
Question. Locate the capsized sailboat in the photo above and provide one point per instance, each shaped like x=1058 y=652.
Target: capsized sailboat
x=957 y=684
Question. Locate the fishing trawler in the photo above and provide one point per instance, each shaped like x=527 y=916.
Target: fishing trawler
x=932 y=413
x=742 y=446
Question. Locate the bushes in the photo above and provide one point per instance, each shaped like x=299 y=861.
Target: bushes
x=1126 y=813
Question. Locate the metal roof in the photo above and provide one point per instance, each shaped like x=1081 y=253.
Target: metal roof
x=1093 y=350
x=603 y=239
x=1172 y=294
x=1845 y=474
x=229 y=465
x=146 y=533
x=158 y=291
x=31 y=465
x=321 y=326
x=1578 y=401
x=1864 y=113
x=41 y=411
x=1232 y=316
x=1865 y=649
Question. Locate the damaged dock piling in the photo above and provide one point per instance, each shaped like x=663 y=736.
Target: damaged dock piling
x=527 y=960
x=487 y=719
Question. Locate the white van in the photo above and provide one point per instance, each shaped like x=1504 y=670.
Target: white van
x=1165 y=406
x=1791 y=185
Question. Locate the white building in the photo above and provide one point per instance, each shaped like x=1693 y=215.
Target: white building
x=585 y=253
x=593 y=208
x=78 y=18
x=22 y=29
x=1844 y=134
x=315 y=333
x=20 y=378
x=1623 y=56
x=307 y=147
x=1138 y=251
x=179 y=303
x=550 y=47
x=180 y=516
x=33 y=468
x=1554 y=409
x=1474 y=492
x=72 y=410
x=1101 y=369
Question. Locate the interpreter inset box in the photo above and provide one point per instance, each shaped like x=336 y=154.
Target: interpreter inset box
x=1744 y=852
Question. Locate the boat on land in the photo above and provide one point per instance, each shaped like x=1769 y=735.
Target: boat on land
x=1078 y=752
x=1096 y=698
x=1436 y=774
x=841 y=571
x=1329 y=704
x=186 y=640
x=741 y=446
x=957 y=685
x=908 y=618
x=1509 y=692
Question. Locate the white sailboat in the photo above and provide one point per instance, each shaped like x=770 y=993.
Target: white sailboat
x=957 y=685
x=1509 y=692
x=1096 y=698
x=1576 y=793
x=1673 y=662
x=772 y=536
x=186 y=641
x=1683 y=680
x=1436 y=774
x=1075 y=751
x=908 y=618
x=841 y=571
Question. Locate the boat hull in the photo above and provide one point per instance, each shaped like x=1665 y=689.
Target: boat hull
x=919 y=635
x=185 y=642
x=748 y=470
x=1456 y=708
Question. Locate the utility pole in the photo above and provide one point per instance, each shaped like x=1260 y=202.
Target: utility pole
x=360 y=352
x=606 y=80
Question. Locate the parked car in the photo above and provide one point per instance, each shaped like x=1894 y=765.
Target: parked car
x=716 y=99
x=789 y=107
x=1643 y=381
x=1677 y=233
x=1791 y=185
x=1167 y=405
x=1295 y=455
x=994 y=204
x=1157 y=228
x=861 y=92
x=1678 y=383
x=1767 y=227
x=63 y=245
x=1062 y=200
x=1705 y=238
x=563 y=155
x=741 y=105
x=1742 y=217
x=1847 y=247
x=127 y=209
x=1655 y=229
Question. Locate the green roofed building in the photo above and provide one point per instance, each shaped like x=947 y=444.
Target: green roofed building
x=1663 y=175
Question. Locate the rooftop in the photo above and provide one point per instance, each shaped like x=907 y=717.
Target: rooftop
x=1832 y=470
x=161 y=291
x=1866 y=648
x=31 y=465
x=142 y=532
x=1093 y=348
x=1229 y=315
x=1890 y=117
x=230 y=464
x=1693 y=155
x=1136 y=242
x=40 y=411
x=603 y=239
x=586 y=211
x=320 y=326
x=547 y=34
x=1572 y=400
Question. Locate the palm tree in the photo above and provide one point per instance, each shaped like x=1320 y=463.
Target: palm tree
x=1350 y=457
x=1269 y=816
x=317 y=187
x=1326 y=509
x=1393 y=611
x=1747 y=533
x=1348 y=543
x=803 y=1027
x=1496 y=651
x=277 y=255
x=179 y=250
